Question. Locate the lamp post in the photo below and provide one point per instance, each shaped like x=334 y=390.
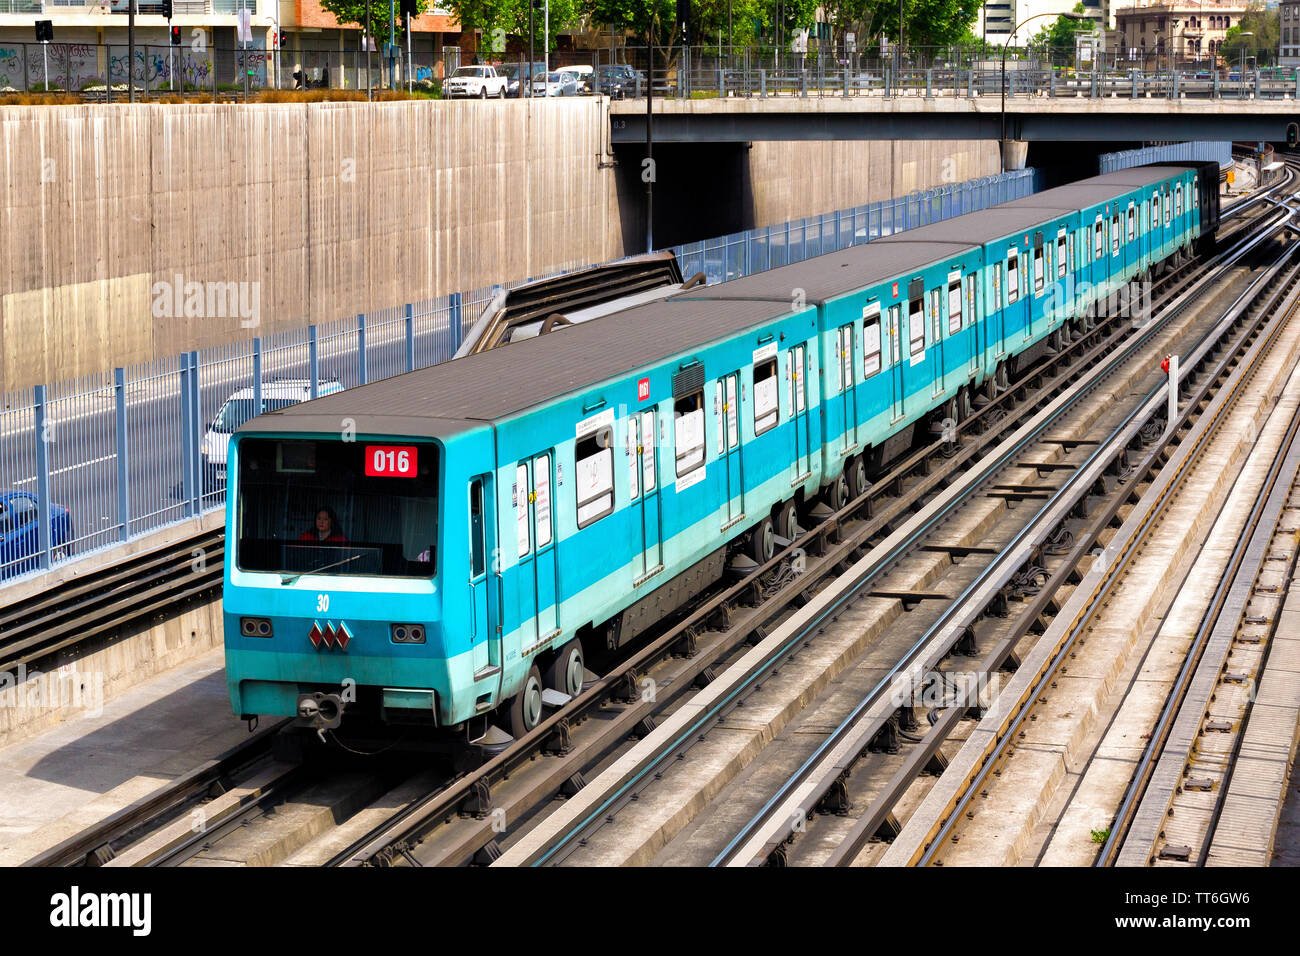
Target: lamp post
x=1002 y=140
x=1241 y=77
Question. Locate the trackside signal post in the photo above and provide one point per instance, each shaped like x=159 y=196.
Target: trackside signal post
x=1170 y=367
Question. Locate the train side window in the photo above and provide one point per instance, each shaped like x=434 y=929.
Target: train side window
x=954 y=304
x=1098 y=240
x=1013 y=276
x=521 y=510
x=477 y=530
x=718 y=410
x=1062 y=259
x=633 y=456
x=1114 y=234
x=936 y=321
x=765 y=395
x=1196 y=192
x=542 y=498
x=688 y=428
x=871 y=340
x=1132 y=224
x=1039 y=278
x=648 y=451
x=1168 y=208
x=594 y=484
x=1178 y=200
x=916 y=329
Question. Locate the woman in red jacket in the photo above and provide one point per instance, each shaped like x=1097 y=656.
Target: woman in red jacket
x=326 y=530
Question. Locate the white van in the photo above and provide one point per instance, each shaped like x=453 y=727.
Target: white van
x=238 y=408
x=582 y=74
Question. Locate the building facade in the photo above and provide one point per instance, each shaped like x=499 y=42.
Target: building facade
x=998 y=20
x=1289 y=40
x=1157 y=34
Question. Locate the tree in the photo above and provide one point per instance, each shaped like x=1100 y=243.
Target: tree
x=1056 y=40
x=354 y=11
x=1267 y=29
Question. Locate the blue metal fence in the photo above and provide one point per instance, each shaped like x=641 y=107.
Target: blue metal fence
x=1171 y=153
x=133 y=450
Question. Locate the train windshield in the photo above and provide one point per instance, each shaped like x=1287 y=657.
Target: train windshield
x=336 y=507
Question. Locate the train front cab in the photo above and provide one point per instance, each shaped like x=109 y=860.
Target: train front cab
x=332 y=580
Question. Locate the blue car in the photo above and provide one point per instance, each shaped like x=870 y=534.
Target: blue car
x=20 y=533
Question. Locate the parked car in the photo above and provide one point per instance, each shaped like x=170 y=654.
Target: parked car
x=619 y=81
x=480 y=81
x=555 y=83
x=239 y=408
x=518 y=76
x=581 y=75
x=20 y=542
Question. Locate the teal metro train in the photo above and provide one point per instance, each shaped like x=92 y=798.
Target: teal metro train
x=445 y=546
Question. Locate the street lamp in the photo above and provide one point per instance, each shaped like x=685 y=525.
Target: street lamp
x=1002 y=141
x=1241 y=77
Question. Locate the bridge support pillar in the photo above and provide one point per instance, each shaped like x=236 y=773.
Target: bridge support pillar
x=1014 y=154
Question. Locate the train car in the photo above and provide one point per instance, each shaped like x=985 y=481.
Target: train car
x=443 y=547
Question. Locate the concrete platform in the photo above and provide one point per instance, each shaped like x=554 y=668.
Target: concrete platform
x=61 y=780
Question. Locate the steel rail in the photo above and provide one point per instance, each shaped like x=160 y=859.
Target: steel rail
x=1234 y=583
x=854 y=583
x=767 y=829
x=1114 y=571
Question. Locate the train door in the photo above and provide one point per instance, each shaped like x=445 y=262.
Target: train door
x=643 y=485
x=897 y=382
x=1014 y=307
x=997 y=314
x=972 y=322
x=796 y=380
x=726 y=408
x=848 y=392
x=534 y=529
x=1038 y=277
x=485 y=634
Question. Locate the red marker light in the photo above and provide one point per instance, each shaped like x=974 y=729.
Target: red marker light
x=1164 y=365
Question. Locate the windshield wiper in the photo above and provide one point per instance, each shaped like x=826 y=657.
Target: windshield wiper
x=292 y=578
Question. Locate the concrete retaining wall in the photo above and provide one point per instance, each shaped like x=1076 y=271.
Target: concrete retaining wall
x=331 y=209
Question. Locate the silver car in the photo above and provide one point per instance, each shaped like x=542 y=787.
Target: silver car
x=555 y=84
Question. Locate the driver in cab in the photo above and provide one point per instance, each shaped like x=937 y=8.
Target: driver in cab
x=325 y=529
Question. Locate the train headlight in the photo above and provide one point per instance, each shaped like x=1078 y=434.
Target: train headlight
x=407 y=633
x=255 y=627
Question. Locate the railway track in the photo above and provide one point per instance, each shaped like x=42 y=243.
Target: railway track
x=58 y=624
x=937 y=823
x=468 y=818
x=466 y=821
x=904 y=657
x=1175 y=801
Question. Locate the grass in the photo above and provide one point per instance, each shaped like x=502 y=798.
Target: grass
x=1100 y=836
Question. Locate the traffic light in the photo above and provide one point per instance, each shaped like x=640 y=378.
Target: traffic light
x=44 y=31
x=167 y=9
x=1292 y=135
x=684 y=21
x=176 y=36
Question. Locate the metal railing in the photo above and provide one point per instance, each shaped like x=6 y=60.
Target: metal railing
x=99 y=71
x=695 y=73
x=134 y=449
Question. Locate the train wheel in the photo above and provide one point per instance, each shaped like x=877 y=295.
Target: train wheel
x=837 y=493
x=526 y=707
x=858 y=482
x=762 y=541
x=565 y=672
x=787 y=521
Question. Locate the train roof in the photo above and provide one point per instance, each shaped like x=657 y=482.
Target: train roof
x=463 y=393
x=832 y=274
